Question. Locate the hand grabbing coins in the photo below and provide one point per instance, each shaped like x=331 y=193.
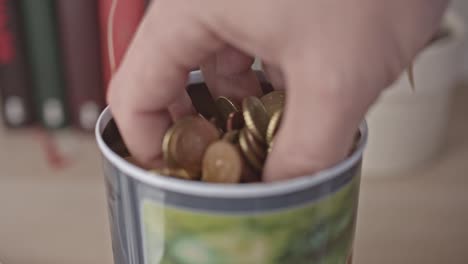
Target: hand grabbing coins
x=226 y=142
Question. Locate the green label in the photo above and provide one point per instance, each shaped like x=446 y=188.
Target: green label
x=319 y=232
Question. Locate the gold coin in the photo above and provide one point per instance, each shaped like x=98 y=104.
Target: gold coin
x=273 y=101
x=273 y=126
x=251 y=158
x=190 y=138
x=222 y=163
x=255 y=116
x=231 y=136
x=254 y=145
x=225 y=107
x=167 y=155
x=176 y=172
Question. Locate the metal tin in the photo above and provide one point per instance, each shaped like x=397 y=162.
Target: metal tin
x=158 y=219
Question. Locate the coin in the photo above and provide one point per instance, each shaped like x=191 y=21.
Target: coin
x=222 y=163
x=255 y=117
x=223 y=142
x=177 y=173
x=189 y=140
x=231 y=136
x=273 y=126
x=225 y=107
x=251 y=158
x=167 y=155
x=254 y=145
x=273 y=101
x=235 y=121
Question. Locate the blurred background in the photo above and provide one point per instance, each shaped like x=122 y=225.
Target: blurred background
x=55 y=62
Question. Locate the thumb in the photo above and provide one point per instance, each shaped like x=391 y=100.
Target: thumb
x=320 y=121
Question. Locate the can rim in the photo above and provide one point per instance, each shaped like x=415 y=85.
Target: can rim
x=253 y=190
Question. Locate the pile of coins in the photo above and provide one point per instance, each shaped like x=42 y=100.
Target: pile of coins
x=227 y=142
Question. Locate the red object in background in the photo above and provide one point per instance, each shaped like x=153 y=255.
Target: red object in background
x=128 y=14
x=54 y=157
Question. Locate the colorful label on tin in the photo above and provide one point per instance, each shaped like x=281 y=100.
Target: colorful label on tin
x=318 y=232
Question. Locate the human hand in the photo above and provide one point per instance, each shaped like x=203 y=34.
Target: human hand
x=333 y=57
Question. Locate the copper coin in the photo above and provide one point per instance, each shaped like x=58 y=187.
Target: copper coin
x=222 y=163
x=255 y=116
x=225 y=107
x=167 y=155
x=254 y=145
x=273 y=126
x=190 y=139
x=249 y=155
x=273 y=101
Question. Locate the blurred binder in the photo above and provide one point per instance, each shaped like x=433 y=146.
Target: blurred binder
x=15 y=86
x=44 y=54
x=79 y=40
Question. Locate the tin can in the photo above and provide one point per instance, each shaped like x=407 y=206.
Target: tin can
x=158 y=219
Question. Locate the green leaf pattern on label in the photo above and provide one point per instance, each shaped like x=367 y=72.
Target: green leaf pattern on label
x=320 y=232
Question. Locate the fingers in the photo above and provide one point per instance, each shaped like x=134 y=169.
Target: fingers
x=324 y=107
x=319 y=124
x=274 y=76
x=181 y=107
x=153 y=76
x=229 y=73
